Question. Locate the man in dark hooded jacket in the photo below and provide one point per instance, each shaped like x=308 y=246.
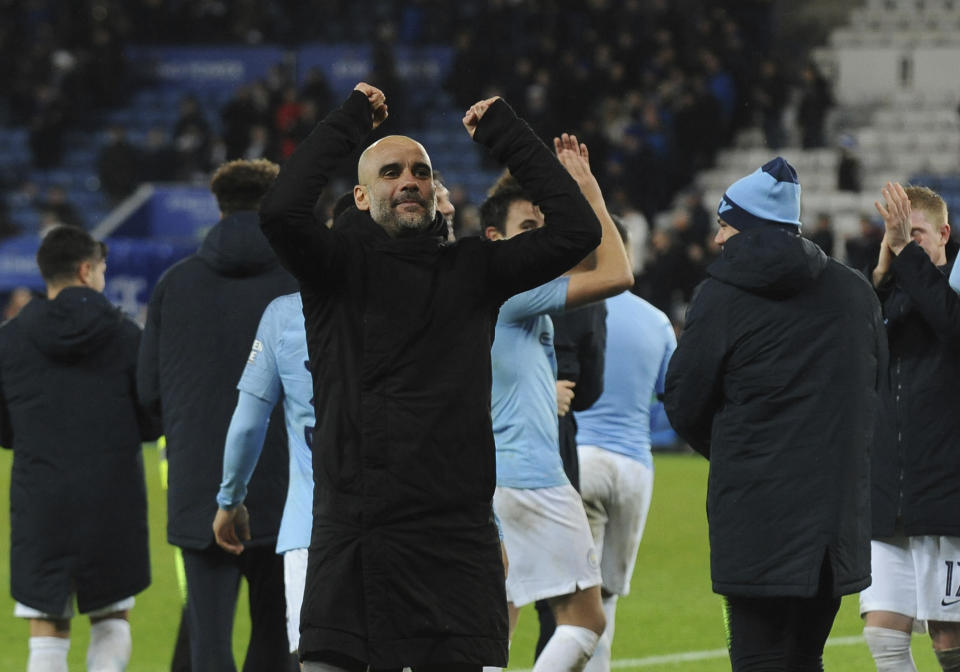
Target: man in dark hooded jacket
x=69 y=412
x=776 y=380
x=404 y=566
x=202 y=318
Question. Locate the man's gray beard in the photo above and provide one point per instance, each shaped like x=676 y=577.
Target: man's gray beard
x=401 y=223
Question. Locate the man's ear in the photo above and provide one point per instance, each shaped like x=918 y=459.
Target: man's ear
x=360 y=198
x=85 y=273
x=492 y=233
x=944 y=233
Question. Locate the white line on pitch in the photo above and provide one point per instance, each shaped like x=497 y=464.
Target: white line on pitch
x=689 y=656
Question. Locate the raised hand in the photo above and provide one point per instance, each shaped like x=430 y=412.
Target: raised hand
x=575 y=157
x=475 y=113
x=378 y=101
x=895 y=211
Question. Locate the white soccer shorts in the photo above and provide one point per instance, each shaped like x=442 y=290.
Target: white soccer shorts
x=294 y=581
x=616 y=495
x=548 y=542
x=23 y=611
x=917 y=576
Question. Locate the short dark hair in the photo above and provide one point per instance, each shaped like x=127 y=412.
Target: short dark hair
x=494 y=210
x=63 y=249
x=242 y=184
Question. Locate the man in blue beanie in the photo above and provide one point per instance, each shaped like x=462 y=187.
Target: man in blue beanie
x=775 y=380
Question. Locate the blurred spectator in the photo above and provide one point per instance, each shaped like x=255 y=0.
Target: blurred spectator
x=191 y=138
x=259 y=143
x=864 y=250
x=849 y=169
x=47 y=126
x=770 y=96
x=246 y=108
x=316 y=89
x=158 y=159
x=663 y=275
x=8 y=229
x=822 y=233
x=58 y=204
x=815 y=102
x=117 y=165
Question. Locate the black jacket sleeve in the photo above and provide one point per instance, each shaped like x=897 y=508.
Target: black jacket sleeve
x=693 y=384
x=148 y=418
x=148 y=358
x=572 y=229
x=305 y=246
x=580 y=342
x=6 y=429
x=929 y=291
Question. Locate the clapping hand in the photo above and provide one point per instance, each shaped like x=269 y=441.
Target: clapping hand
x=895 y=211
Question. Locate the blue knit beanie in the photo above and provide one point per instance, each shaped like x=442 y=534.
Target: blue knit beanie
x=770 y=195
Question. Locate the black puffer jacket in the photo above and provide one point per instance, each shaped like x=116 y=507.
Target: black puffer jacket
x=917 y=476
x=404 y=565
x=201 y=322
x=775 y=379
x=68 y=403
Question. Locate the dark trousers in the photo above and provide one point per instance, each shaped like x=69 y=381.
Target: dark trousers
x=782 y=634
x=213 y=579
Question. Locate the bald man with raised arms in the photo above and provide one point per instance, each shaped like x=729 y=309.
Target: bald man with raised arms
x=404 y=567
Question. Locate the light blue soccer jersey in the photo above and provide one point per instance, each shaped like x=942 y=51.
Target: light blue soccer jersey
x=278 y=366
x=955 y=277
x=524 y=395
x=640 y=341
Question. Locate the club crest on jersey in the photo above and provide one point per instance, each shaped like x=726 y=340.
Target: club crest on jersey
x=256 y=349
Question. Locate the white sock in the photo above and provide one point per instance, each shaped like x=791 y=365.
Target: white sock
x=110 y=645
x=314 y=666
x=568 y=650
x=890 y=649
x=949 y=659
x=48 y=654
x=600 y=660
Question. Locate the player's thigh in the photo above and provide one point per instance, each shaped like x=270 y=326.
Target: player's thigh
x=628 y=517
x=893 y=586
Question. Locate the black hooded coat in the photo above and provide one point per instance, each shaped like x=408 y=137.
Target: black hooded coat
x=201 y=322
x=404 y=565
x=69 y=411
x=776 y=379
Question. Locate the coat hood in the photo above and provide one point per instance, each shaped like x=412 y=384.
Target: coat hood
x=770 y=261
x=77 y=323
x=236 y=247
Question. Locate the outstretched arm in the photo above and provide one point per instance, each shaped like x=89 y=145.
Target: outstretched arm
x=305 y=246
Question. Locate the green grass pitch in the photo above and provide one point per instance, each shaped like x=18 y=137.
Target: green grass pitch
x=671 y=621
